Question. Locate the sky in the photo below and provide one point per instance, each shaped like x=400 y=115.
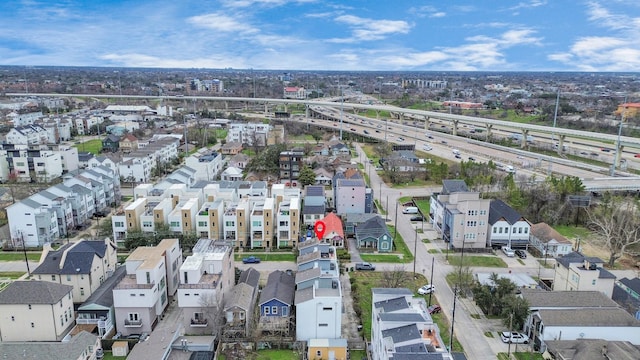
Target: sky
x=346 y=35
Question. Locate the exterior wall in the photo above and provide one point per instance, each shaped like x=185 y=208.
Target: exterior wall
x=132 y=214
x=575 y=278
x=320 y=323
x=514 y=236
x=282 y=309
x=609 y=333
x=37 y=322
x=350 y=199
x=322 y=352
x=134 y=320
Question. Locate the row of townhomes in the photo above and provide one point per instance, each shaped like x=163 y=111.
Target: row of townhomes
x=52 y=214
x=464 y=219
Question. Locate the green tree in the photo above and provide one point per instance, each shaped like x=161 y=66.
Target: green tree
x=307 y=176
x=515 y=311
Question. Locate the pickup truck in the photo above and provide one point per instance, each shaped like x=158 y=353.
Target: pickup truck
x=365 y=266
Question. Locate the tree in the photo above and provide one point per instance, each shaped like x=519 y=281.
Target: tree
x=395 y=278
x=463 y=279
x=212 y=310
x=515 y=312
x=307 y=176
x=617 y=221
x=492 y=298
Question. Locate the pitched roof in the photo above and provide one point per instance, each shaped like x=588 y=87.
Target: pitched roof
x=633 y=284
x=333 y=224
x=588 y=317
x=566 y=299
x=34 y=292
x=576 y=258
x=591 y=349
x=498 y=210
x=546 y=233
x=374 y=227
x=313 y=190
x=102 y=297
x=402 y=333
x=453 y=186
x=241 y=296
x=250 y=277
x=75 y=348
x=391 y=305
x=78 y=260
x=280 y=286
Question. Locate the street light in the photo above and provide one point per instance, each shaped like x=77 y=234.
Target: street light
x=615 y=158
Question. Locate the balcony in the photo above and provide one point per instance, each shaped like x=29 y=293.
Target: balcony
x=257 y=235
x=133 y=323
x=199 y=322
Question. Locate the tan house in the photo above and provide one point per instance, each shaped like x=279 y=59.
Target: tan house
x=576 y=272
x=36 y=311
x=84 y=265
x=128 y=143
x=231 y=148
x=327 y=349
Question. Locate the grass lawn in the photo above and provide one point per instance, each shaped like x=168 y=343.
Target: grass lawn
x=572 y=232
x=108 y=355
x=404 y=199
x=400 y=245
x=424 y=206
x=221 y=134
x=18 y=256
x=11 y=274
x=477 y=260
x=267 y=256
x=383 y=258
x=93 y=146
x=357 y=355
x=303 y=137
x=266 y=355
x=364 y=282
x=528 y=356
x=445 y=331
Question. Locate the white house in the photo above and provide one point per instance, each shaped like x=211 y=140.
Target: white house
x=576 y=272
x=205 y=277
x=248 y=134
x=323 y=313
x=506 y=226
x=206 y=163
x=36 y=311
x=31 y=224
x=27 y=135
x=350 y=196
x=548 y=242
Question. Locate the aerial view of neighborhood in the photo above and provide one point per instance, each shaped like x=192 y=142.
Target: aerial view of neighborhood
x=229 y=214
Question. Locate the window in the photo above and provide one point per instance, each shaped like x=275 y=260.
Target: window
x=81 y=291
x=500 y=231
x=33 y=325
x=327 y=308
x=593 y=282
x=323 y=325
x=13 y=318
x=202 y=223
x=53 y=278
x=133 y=317
x=274 y=310
x=29 y=306
x=319 y=353
x=495 y=230
x=267 y=310
x=68 y=277
x=256 y=223
x=285 y=311
x=118 y=224
x=174 y=224
x=526 y=230
x=229 y=223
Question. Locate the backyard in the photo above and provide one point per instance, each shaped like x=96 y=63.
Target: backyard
x=93 y=146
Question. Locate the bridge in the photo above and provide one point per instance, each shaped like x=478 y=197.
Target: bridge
x=596 y=184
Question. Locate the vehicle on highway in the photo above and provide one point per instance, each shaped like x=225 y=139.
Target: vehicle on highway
x=427 y=289
x=456 y=151
x=521 y=254
x=514 y=337
x=605 y=149
x=366 y=132
x=434 y=309
x=410 y=210
x=471 y=158
x=508 y=251
x=390 y=135
x=378 y=131
x=354 y=130
x=509 y=169
x=636 y=156
x=417 y=218
x=401 y=139
x=365 y=266
x=443 y=142
x=251 y=260
x=458 y=156
x=427 y=148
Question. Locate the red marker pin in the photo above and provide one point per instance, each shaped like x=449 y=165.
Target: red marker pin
x=319 y=228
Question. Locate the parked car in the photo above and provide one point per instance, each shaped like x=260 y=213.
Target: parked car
x=508 y=251
x=427 y=289
x=365 y=266
x=434 y=309
x=417 y=218
x=514 y=337
x=521 y=254
x=410 y=210
x=471 y=158
x=251 y=260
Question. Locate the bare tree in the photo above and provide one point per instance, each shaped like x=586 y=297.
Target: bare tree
x=212 y=309
x=617 y=222
x=395 y=278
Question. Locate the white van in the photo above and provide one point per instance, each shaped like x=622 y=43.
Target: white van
x=427 y=148
x=509 y=169
x=456 y=151
x=508 y=251
x=410 y=210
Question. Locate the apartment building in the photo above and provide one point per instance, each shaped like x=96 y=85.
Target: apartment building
x=32 y=134
x=350 y=196
x=576 y=272
x=288 y=223
x=84 y=265
x=205 y=278
x=206 y=163
x=315 y=204
x=402 y=328
x=261 y=225
x=457 y=214
x=27 y=164
x=143 y=293
x=36 y=311
x=290 y=164
x=248 y=134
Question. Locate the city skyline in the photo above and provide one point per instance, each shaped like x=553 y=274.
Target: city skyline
x=533 y=35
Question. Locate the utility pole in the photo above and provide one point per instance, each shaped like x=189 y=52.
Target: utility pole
x=510 y=337
x=395 y=232
x=415 y=252
x=433 y=260
x=24 y=250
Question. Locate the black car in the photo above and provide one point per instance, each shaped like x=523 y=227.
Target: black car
x=417 y=218
x=521 y=254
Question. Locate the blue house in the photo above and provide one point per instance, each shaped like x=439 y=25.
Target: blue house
x=276 y=301
x=374 y=234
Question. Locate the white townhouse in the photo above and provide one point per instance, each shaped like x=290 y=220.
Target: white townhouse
x=235 y=218
x=205 y=278
x=183 y=217
x=27 y=135
x=209 y=220
x=261 y=224
x=134 y=168
x=206 y=163
x=288 y=223
x=143 y=293
x=247 y=134
x=507 y=227
x=32 y=224
x=31 y=164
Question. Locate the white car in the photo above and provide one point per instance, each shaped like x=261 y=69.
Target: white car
x=427 y=148
x=508 y=251
x=427 y=289
x=514 y=337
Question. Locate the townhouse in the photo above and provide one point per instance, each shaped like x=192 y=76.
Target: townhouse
x=288 y=223
x=205 y=277
x=206 y=163
x=142 y=295
x=32 y=134
x=84 y=265
x=577 y=272
x=506 y=226
x=30 y=164
x=460 y=216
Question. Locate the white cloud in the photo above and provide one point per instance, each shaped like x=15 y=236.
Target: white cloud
x=363 y=29
x=262 y=3
x=529 y=5
x=221 y=22
x=426 y=11
x=142 y=60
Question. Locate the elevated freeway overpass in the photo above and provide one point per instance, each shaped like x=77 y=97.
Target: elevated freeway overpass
x=595 y=184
